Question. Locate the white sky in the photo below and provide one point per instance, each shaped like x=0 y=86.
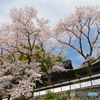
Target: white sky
x=49 y=9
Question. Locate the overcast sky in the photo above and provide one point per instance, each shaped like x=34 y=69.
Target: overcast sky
x=49 y=9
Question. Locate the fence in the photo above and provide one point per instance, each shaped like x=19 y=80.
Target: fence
x=88 y=81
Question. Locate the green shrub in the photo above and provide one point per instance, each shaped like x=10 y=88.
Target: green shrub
x=50 y=96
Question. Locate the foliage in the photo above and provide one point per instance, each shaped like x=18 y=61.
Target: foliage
x=44 y=82
x=77 y=75
x=50 y=96
x=47 y=60
x=23 y=57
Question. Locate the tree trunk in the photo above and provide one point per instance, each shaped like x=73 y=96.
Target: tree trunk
x=49 y=78
x=89 y=67
x=9 y=96
x=0 y=97
x=29 y=60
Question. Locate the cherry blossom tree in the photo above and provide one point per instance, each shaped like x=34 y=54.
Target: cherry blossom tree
x=24 y=48
x=18 y=78
x=30 y=32
x=27 y=29
x=81 y=31
x=19 y=39
x=24 y=79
